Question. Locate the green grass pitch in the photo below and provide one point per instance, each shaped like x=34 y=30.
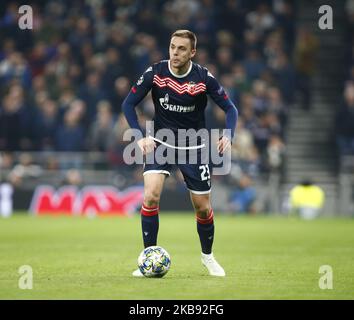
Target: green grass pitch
x=264 y=258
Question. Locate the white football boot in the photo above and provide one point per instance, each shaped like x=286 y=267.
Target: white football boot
x=137 y=273
x=212 y=265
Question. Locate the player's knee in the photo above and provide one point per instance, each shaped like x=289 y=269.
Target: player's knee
x=151 y=198
x=202 y=211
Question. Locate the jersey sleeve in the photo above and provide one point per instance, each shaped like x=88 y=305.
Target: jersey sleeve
x=137 y=93
x=219 y=96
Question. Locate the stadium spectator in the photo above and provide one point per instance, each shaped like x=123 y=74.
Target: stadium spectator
x=285 y=21
x=81 y=34
x=247 y=111
x=121 y=89
x=116 y=149
x=345 y=122
x=225 y=39
x=242 y=83
x=306 y=48
x=231 y=16
x=273 y=47
x=275 y=153
x=224 y=59
x=6 y=161
x=242 y=147
x=70 y=135
x=285 y=77
x=227 y=81
x=15 y=118
x=262 y=132
x=113 y=70
x=277 y=106
x=91 y=93
x=72 y=177
x=15 y=67
x=45 y=125
x=253 y=64
x=9 y=124
x=260 y=20
x=260 y=102
x=101 y=131
x=242 y=200
x=25 y=170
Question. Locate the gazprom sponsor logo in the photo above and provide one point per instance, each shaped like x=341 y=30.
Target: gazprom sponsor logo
x=172 y=107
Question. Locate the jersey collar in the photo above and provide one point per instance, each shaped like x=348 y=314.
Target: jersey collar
x=180 y=75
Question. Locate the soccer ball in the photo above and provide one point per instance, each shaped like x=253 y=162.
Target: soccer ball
x=154 y=262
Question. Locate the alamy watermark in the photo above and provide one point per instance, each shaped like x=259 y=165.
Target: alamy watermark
x=25 y=21
x=326 y=280
x=184 y=146
x=326 y=20
x=25 y=281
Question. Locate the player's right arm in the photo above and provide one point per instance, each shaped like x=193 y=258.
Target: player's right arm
x=135 y=96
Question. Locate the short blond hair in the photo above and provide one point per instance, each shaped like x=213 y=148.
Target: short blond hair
x=188 y=35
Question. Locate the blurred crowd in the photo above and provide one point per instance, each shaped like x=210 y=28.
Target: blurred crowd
x=62 y=84
x=345 y=114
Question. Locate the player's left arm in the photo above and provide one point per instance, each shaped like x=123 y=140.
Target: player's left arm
x=218 y=94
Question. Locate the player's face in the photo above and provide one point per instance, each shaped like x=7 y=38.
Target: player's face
x=180 y=52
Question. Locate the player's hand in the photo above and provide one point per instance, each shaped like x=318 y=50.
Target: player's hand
x=223 y=144
x=146 y=145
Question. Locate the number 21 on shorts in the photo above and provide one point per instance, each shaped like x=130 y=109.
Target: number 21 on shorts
x=205 y=174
